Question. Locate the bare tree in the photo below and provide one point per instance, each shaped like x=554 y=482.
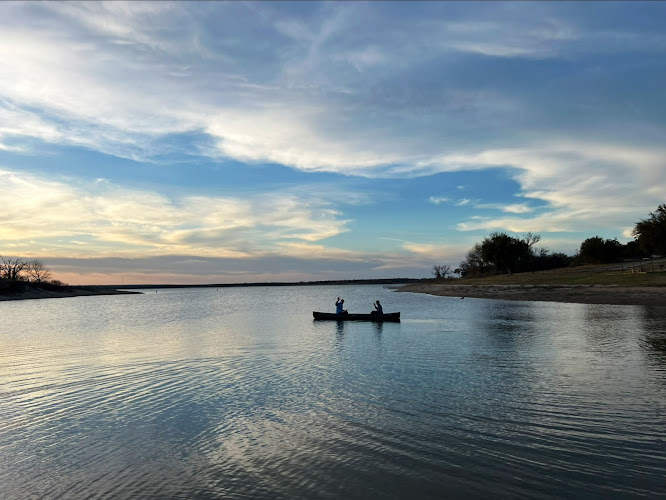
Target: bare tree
x=11 y=268
x=38 y=271
x=441 y=271
x=531 y=239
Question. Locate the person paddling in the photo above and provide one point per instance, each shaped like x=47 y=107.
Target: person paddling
x=378 y=308
x=339 y=306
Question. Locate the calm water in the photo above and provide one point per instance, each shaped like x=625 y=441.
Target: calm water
x=238 y=393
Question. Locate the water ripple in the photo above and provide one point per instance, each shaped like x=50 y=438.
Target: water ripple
x=538 y=401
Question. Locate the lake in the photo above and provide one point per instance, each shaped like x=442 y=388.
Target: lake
x=237 y=393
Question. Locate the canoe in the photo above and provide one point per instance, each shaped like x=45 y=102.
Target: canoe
x=357 y=317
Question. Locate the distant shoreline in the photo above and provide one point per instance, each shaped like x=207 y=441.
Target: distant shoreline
x=379 y=281
x=27 y=292
x=577 y=294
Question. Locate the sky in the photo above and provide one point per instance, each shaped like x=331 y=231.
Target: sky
x=226 y=142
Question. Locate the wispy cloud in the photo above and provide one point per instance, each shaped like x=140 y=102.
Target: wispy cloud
x=366 y=58
x=493 y=49
x=115 y=84
x=582 y=184
x=515 y=208
x=546 y=38
x=436 y=200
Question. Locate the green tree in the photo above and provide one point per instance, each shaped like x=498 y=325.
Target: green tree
x=500 y=252
x=596 y=250
x=508 y=254
x=651 y=233
x=592 y=250
x=632 y=250
x=473 y=265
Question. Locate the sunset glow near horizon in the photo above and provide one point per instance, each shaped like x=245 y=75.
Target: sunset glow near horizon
x=225 y=142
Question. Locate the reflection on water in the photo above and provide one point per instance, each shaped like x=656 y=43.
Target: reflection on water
x=238 y=393
x=652 y=338
x=379 y=328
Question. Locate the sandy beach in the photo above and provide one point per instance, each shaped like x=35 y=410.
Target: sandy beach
x=578 y=294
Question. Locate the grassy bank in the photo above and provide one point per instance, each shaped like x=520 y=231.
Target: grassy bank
x=581 y=285
x=568 y=277
x=579 y=276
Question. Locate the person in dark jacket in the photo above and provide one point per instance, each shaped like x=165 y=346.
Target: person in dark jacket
x=378 y=308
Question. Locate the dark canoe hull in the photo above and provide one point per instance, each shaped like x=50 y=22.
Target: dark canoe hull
x=357 y=317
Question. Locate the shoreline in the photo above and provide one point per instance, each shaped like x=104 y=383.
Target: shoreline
x=653 y=296
x=40 y=293
x=575 y=294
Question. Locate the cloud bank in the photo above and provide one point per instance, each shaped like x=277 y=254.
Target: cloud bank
x=563 y=97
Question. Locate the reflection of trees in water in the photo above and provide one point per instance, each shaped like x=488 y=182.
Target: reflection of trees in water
x=653 y=340
x=657 y=342
x=506 y=323
x=618 y=331
x=504 y=337
x=611 y=329
x=499 y=362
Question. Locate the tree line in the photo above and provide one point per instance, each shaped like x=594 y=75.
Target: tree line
x=17 y=269
x=500 y=253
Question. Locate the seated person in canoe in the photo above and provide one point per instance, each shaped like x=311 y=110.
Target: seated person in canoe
x=378 y=308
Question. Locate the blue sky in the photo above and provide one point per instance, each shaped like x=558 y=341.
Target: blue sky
x=206 y=142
